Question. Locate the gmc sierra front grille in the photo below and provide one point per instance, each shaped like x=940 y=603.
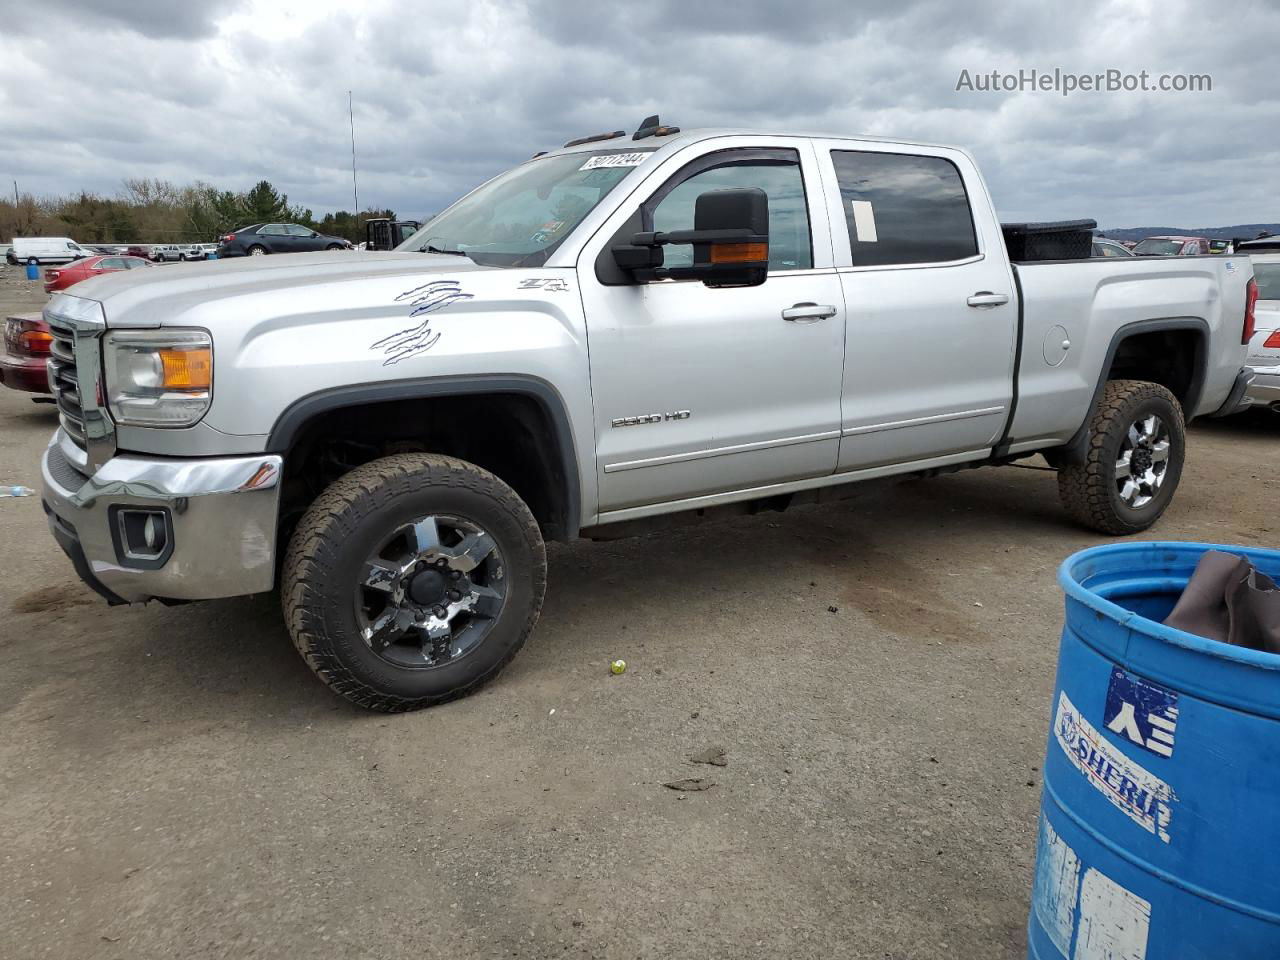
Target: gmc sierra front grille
x=64 y=380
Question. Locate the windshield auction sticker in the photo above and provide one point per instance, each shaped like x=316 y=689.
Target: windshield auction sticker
x=613 y=160
x=1140 y=795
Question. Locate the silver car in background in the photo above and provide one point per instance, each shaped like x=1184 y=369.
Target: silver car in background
x=1264 y=346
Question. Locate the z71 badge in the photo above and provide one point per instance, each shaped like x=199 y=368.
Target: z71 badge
x=549 y=284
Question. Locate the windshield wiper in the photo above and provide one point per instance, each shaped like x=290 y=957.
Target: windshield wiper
x=449 y=253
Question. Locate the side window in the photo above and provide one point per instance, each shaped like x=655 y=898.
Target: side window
x=273 y=230
x=111 y=263
x=790 y=245
x=903 y=209
x=297 y=230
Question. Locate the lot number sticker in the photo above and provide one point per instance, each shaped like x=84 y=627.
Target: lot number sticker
x=613 y=160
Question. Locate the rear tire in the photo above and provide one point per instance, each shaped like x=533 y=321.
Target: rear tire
x=257 y=250
x=359 y=545
x=1136 y=449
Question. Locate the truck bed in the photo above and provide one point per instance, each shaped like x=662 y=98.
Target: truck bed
x=1092 y=304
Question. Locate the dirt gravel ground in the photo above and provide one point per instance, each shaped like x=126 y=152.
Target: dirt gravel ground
x=176 y=784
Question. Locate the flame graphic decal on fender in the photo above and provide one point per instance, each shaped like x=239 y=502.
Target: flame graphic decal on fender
x=414 y=340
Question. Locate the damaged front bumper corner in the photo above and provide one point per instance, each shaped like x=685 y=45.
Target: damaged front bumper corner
x=143 y=528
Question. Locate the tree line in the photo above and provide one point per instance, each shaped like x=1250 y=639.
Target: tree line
x=158 y=211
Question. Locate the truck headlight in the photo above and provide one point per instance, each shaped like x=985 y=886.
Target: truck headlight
x=158 y=378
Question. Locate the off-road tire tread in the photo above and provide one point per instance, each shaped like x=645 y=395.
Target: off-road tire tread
x=1085 y=489
x=335 y=514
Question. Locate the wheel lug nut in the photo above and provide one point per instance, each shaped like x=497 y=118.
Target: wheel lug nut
x=440 y=612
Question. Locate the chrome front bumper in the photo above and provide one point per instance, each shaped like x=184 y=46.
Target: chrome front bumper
x=221 y=516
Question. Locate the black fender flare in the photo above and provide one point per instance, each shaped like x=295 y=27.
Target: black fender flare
x=294 y=417
x=1076 y=449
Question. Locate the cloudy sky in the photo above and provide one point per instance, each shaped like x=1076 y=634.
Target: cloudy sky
x=449 y=92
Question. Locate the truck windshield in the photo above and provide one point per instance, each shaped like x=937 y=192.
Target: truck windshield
x=520 y=217
x=1268 y=277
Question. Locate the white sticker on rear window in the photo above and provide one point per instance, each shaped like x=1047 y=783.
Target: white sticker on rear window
x=613 y=160
x=864 y=221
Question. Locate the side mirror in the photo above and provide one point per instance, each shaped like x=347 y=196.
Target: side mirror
x=730 y=239
x=314 y=234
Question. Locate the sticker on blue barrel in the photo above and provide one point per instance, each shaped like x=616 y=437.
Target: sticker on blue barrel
x=1079 y=904
x=1114 y=922
x=1143 y=713
x=1136 y=792
x=1057 y=886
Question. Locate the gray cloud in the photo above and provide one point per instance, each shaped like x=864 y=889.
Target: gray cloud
x=450 y=92
x=159 y=19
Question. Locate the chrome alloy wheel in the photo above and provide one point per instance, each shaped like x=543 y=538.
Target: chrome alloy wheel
x=431 y=592
x=1143 y=461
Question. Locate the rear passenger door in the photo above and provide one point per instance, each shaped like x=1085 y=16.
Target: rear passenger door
x=930 y=301
x=274 y=237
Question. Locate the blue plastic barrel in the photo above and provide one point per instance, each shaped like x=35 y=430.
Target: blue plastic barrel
x=1159 y=832
x=33 y=270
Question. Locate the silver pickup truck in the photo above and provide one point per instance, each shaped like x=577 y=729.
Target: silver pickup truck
x=610 y=332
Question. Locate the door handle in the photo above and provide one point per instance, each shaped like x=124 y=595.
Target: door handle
x=808 y=312
x=985 y=298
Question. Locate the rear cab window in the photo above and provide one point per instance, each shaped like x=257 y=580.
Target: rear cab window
x=904 y=208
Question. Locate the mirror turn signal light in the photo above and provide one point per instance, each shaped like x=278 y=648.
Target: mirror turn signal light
x=739 y=252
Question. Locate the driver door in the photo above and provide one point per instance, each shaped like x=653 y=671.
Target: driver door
x=702 y=393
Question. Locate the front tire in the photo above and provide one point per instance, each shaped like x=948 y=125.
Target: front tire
x=1137 y=446
x=412 y=581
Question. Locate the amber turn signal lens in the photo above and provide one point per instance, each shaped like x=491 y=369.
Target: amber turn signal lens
x=187 y=369
x=739 y=252
x=35 y=341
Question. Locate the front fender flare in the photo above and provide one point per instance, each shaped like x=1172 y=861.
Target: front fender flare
x=290 y=423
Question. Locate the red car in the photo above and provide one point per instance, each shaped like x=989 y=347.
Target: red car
x=26 y=343
x=73 y=273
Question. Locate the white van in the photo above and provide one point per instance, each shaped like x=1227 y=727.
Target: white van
x=46 y=250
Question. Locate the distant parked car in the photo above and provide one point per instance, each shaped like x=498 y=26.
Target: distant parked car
x=26 y=350
x=264 y=238
x=1264 y=347
x=90 y=267
x=138 y=250
x=208 y=249
x=46 y=250
x=1102 y=247
x=1172 y=247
